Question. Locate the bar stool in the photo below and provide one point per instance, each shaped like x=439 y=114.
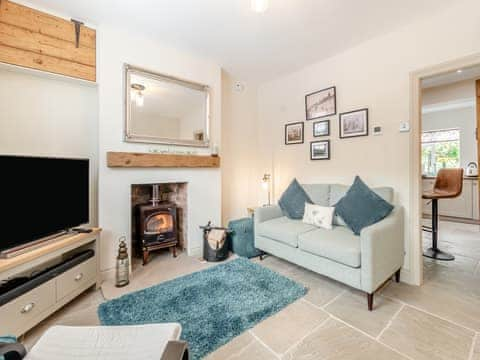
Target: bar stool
x=448 y=185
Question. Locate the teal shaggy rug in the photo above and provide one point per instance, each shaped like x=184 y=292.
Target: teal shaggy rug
x=213 y=306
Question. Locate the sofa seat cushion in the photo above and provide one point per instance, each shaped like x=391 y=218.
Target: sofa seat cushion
x=283 y=230
x=340 y=245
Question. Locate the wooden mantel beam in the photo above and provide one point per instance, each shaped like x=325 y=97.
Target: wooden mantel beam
x=152 y=160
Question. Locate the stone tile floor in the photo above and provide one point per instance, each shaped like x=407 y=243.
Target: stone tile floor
x=440 y=320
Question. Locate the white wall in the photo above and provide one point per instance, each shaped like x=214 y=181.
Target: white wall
x=461 y=90
x=374 y=74
x=49 y=115
x=240 y=180
x=114 y=48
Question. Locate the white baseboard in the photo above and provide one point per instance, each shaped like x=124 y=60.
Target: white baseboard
x=406 y=277
x=195 y=252
x=108 y=274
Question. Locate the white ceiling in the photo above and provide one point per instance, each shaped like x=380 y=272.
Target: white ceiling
x=288 y=36
x=471 y=73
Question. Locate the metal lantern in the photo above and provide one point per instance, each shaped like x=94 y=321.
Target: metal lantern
x=121 y=278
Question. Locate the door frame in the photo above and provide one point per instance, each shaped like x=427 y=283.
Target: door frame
x=415 y=232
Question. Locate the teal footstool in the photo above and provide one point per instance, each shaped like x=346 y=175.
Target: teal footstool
x=241 y=238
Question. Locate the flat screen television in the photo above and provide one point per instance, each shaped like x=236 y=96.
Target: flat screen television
x=41 y=197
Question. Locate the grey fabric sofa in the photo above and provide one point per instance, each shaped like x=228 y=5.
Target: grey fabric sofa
x=363 y=262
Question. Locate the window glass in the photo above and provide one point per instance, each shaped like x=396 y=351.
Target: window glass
x=440 y=149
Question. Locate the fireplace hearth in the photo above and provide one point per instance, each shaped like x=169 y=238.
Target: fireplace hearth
x=156 y=220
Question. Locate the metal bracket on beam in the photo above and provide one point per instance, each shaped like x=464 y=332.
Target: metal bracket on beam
x=78 y=25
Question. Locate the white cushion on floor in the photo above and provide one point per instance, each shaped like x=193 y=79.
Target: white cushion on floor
x=105 y=342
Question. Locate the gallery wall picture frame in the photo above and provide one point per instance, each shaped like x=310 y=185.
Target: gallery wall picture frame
x=321 y=128
x=320 y=150
x=321 y=103
x=353 y=123
x=294 y=133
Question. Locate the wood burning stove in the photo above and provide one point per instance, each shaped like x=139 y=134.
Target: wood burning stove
x=156 y=226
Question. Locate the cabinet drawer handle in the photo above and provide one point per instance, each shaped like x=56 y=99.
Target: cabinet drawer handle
x=27 y=308
x=79 y=277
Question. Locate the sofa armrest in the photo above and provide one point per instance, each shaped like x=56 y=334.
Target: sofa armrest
x=12 y=351
x=382 y=250
x=266 y=213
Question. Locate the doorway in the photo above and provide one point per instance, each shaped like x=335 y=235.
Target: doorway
x=445 y=119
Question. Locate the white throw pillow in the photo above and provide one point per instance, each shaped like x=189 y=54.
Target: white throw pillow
x=321 y=216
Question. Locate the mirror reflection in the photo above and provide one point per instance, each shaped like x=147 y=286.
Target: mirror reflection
x=162 y=109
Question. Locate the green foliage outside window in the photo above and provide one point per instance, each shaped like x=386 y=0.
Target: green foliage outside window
x=440 y=149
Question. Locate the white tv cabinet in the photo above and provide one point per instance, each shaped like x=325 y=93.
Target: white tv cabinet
x=24 y=312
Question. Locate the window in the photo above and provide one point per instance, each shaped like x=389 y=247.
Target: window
x=440 y=149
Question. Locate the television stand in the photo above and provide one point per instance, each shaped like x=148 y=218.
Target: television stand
x=82 y=230
x=19 y=250
x=25 y=311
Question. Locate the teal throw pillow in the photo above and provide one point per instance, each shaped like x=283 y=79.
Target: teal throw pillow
x=293 y=200
x=361 y=207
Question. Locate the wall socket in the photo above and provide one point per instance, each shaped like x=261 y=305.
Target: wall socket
x=377 y=130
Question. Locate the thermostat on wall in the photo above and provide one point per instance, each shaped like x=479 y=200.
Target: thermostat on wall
x=377 y=130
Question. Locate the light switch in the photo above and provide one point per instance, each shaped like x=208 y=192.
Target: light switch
x=404 y=126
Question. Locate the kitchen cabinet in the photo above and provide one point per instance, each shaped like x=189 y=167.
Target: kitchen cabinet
x=475 y=197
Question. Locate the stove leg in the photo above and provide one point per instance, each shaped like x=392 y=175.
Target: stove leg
x=145 y=257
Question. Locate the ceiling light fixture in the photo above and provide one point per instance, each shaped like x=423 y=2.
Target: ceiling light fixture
x=138 y=95
x=459 y=71
x=259 y=6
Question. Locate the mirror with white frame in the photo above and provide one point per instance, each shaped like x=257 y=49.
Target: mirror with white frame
x=161 y=109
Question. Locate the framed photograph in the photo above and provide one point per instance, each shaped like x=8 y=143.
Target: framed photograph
x=354 y=123
x=294 y=133
x=320 y=150
x=321 y=103
x=321 y=128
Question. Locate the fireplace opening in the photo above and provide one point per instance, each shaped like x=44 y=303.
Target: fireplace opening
x=158 y=218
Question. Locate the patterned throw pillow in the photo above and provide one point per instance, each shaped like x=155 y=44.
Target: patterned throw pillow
x=361 y=207
x=293 y=200
x=321 y=216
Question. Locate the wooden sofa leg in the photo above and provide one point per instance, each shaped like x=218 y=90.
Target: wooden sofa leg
x=397 y=276
x=370 y=301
